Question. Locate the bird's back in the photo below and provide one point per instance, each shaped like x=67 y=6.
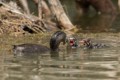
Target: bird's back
x=30 y=48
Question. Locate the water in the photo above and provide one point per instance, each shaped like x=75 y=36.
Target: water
x=92 y=22
x=79 y=64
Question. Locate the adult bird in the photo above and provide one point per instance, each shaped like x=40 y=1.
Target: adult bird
x=55 y=41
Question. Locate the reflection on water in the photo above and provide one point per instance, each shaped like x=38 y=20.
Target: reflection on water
x=80 y=64
x=91 y=22
x=98 y=23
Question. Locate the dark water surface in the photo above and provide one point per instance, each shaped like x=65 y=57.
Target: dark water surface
x=91 y=22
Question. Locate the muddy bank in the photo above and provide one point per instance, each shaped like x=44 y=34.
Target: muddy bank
x=19 y=24
x=11 y=23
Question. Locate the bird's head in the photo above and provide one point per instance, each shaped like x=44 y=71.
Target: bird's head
x=72 y=42
x=85 y=42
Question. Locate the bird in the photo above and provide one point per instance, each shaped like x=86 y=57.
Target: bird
x=56 y=39
x=72 y=42
x=89 y=45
